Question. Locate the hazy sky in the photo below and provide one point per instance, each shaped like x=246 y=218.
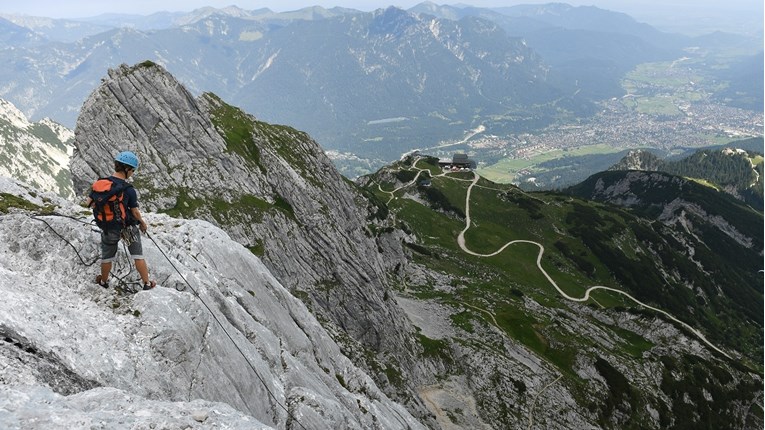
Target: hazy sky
x=87 y=8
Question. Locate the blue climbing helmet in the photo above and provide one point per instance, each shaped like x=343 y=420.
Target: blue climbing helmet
x=127 y=157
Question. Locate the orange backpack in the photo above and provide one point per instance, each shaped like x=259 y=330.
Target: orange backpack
x=109 y=206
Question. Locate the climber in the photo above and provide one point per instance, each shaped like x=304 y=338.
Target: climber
x=115 y=207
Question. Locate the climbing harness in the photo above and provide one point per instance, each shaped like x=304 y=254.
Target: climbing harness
x=129 y=234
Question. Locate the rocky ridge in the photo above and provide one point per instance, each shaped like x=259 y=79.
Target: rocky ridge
x=714 y=231
x=36 y=152
x=736 y=171
x=639 y=160
x=270 y=187
x=675 y=211
x=76 y=355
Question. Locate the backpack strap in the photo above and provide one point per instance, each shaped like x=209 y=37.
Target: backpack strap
x=114 y=188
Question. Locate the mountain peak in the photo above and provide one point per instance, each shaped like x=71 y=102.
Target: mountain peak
x=208 y=11
x=271 y=187
x=36 y=152
x=11 y=114
x=391 y=20
x=638 y=159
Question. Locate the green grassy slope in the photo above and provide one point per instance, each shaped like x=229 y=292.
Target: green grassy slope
x=586 y=244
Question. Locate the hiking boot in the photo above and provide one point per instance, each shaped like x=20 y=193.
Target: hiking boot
x=149 y=286
x=104 y=284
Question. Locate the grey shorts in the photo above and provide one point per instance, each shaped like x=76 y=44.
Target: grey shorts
x=110 y=240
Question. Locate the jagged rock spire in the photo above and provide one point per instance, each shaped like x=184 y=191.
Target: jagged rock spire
x=270 y=187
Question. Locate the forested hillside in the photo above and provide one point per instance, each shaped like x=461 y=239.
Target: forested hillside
x=734 y=170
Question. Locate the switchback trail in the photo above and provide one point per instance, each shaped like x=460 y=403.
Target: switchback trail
x=461 y=243
x=584 y=298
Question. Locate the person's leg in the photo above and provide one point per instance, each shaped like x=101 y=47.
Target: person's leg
x=143 y=270
x=109 y=241
x=106 y=268
x=136 y=251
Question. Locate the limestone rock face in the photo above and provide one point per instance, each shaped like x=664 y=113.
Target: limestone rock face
x=270 y=187
x=37 y=152
x=219 y=328
x=35 y=407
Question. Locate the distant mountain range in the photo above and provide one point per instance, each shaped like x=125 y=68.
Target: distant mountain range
x=370 y=84
x=590 y=48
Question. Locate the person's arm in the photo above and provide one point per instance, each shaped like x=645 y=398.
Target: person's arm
x=137 y=216
x=132 y=203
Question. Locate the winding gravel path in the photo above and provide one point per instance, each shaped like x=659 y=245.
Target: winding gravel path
x=461 y=243
x=584 y=298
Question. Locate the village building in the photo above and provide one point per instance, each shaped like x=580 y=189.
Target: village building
x=458 y=162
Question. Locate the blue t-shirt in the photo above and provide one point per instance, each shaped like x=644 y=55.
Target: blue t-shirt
x=131 y=197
